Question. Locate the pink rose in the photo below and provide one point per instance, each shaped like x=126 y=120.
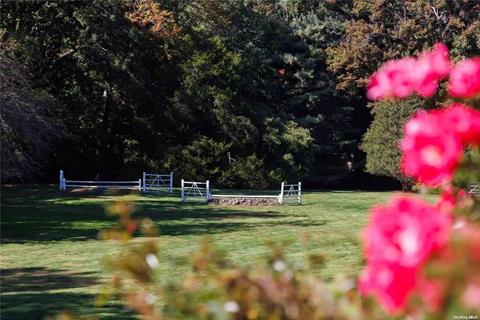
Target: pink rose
x=430 y=151
x=405 y=231
x=433 y=142
x=403 y=77
x=401 y=236
x=391 y=284
x=394 y=79
x=465 y=79
x=431 y=67
x=463 y=121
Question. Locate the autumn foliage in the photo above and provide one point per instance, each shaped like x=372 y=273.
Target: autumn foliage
x=149 y=15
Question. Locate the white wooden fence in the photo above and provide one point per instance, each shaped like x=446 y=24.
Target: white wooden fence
x=131 y=185
x=243 y=196
x=474 y=189
x=290 y=193
x=195 y=190
x=152 y=182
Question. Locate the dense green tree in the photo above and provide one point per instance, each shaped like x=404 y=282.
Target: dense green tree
x=261 y=81
x=102 y=69
x=382 y=138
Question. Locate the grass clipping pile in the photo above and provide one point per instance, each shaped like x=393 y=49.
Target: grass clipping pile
x=243 y=201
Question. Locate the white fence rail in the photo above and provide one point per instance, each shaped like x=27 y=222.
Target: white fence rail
x=195 y=190
x=129 y=185
x=290 y=193
x=242 y=196
x=152 y=182
x=474 y=189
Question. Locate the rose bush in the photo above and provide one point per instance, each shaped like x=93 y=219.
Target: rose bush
x=410 y=246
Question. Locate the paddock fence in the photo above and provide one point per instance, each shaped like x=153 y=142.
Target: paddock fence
x=153 y=182
x=195 y=190
x=474 y=189
x=127 y=185
x=290 y=193
x=191 y=190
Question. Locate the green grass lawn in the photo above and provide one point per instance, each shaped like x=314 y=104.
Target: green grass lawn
x=51 y=259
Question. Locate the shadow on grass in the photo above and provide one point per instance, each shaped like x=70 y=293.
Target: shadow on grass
x=204 y=228
x=39 y=279
x=35 y=214
x=27 y=294
x=173 y=211
x=39 y=305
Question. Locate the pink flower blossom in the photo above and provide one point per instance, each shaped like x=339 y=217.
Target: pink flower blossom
x=446 y=203
x=433 y=142
x=439 y=60
x=399 y=239
x=463 y=121
x=394 y=79
x=391 y=284
x=430 y=151
x=430 y=68
x=465 y=79
x=403 y=77
x=405 y=231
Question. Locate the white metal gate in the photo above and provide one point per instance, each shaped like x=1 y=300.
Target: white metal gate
x=195 y=190
x=474 y=189
x=290 y=193
x=153 y=182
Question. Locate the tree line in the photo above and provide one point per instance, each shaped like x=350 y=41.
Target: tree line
x=244 y=93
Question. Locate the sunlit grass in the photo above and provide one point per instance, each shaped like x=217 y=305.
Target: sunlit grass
x=52 y=237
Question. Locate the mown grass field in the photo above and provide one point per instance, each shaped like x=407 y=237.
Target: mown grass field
x=51 y=259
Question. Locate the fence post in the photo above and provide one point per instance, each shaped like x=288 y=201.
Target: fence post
x=61 y=180
x=299 y=193
x=144 y=176
x=139 y=184
x=182 y=192
x=208 y=190
x=280 y=198
x=171 y=182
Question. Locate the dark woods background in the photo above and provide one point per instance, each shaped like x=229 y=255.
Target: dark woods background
x=244 y=93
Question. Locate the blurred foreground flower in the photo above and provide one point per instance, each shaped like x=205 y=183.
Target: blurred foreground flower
x=421 y=259
x=434 y=141
x=403 y=77
x=465 y=79
x=430 y=152
x=399 y=239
